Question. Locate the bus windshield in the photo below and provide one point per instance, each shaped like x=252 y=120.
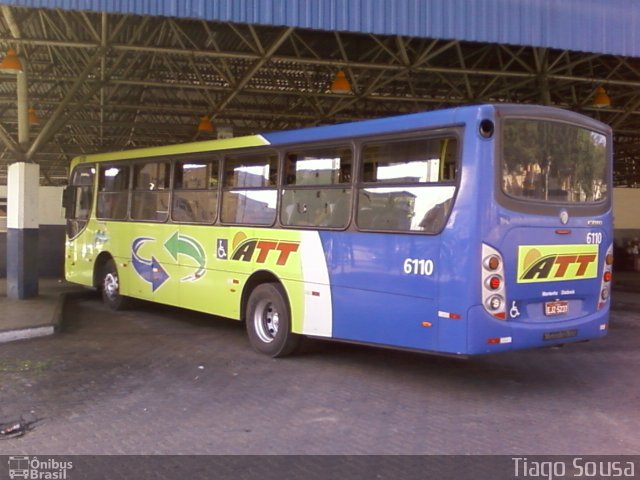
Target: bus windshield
x=555 y=162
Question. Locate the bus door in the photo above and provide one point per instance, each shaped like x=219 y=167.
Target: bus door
x=78 y=203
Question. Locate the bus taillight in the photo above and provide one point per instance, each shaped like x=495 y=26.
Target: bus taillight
x=493 y=290
x=607 y=276
x=494 y=282
x=494 y=303
x=492 y=262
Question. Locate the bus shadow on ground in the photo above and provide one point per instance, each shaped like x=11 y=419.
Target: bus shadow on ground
x=546 y=369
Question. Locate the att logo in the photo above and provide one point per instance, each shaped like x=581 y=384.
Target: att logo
x=253 y=250
x=556 y=263
x=544 y=267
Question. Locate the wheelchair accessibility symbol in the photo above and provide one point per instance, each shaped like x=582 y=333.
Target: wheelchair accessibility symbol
x=221 y=250
x=514 y=312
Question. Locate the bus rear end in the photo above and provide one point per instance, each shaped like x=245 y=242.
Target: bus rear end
x=546 y=257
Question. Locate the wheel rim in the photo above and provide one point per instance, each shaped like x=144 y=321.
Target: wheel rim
x=266 y=321
x=111 y=286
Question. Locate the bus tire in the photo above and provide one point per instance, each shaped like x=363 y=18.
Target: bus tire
x=110 y=286
x=269 y=323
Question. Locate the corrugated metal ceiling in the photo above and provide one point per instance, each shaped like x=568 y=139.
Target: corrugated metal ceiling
x=108 y=81
x=598 y=26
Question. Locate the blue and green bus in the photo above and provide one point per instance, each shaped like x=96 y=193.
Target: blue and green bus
x=464 y=231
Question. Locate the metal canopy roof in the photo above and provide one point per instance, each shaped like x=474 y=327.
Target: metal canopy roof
x=107 y=81
x=597 y=26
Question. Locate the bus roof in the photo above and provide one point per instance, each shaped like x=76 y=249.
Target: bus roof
x=393 y=124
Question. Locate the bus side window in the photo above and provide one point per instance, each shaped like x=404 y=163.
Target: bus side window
x=195 y=195
x=448 y=159
x=315 y=193
x=250 y=195
x=150 y=197
x=113 y=192
x=433 y=220
x=407 y=184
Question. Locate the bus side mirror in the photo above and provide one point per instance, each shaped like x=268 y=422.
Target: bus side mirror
x=68 y=199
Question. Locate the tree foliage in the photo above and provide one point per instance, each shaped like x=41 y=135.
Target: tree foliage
x=554 y=161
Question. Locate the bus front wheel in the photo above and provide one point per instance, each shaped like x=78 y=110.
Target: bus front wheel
x=111 y=287
x=269 y=322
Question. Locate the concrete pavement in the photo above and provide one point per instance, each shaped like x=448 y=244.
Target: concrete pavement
x=158 y=380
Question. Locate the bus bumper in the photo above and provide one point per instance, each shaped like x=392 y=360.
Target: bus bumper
x=489 y=335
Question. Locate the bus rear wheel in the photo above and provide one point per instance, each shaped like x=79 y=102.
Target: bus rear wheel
x=269 y=322
x=111 y=287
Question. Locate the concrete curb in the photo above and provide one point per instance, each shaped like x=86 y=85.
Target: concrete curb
x=58 y=315
x=25 y=333
x=55 y=324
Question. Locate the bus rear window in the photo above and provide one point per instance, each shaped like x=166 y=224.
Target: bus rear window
x=553 y=162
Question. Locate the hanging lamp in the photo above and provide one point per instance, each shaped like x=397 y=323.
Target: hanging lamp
x=205 y=125
x=11 y=62
x=340 y=83
x=33 y=117
x=600 y=98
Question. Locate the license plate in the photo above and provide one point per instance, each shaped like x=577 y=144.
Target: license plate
x=556 y=308
x=560 y=335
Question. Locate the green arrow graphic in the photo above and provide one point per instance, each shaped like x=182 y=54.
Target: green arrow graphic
x=183 y=245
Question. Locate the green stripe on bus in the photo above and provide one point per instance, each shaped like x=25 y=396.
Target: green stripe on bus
x=194 y=147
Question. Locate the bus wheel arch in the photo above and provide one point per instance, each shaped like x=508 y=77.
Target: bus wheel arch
x=108 y=282
x=98 y=269
x=267 y=313
x=256 y=279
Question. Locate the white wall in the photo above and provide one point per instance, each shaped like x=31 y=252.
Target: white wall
x=50 y=211
x=3 y=212
x=626 y=202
